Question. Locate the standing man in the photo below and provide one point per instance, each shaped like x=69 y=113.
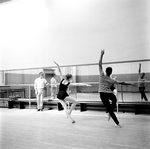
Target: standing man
x=53 y=86
x=106 y=87
x=39 y=85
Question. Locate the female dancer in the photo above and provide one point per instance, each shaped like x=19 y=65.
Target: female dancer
x=63 y=95
x=106 y=90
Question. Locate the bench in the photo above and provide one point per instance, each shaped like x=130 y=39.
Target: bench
x=98 y=105
x=4 y=102
x=16 y=103
x=90 y=105
x=21 y=102
x=136 y=107
x=126 y=107
x=143 y=107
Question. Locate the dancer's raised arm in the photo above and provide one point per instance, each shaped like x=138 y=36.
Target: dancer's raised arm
x=100 y=61
x=140 y=68
x=60 y=73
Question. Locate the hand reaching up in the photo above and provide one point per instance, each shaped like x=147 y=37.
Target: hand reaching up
x=102 y=52
x=55 y=62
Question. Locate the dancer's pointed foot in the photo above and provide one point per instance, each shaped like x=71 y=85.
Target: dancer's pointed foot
x=118 y=125
x=68 y=116
x=109 y=116
x=73 y=122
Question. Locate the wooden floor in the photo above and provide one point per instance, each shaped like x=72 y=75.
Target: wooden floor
x=29 y=129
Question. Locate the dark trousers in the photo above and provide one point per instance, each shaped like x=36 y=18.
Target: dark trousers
x=105 y=97
x=142 y=91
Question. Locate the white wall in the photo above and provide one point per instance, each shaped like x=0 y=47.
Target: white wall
x=119 y=68
x=33 y=33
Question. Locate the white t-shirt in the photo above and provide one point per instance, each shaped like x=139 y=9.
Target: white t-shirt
x=53 y=82
x=40 y=83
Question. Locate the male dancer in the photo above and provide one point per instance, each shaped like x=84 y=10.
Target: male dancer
x=141 y=84
x=106 y=90
x=39 y=85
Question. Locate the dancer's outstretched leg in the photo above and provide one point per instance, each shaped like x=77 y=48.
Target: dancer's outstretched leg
x=105 y=99
x=66 y=110
x=109 y=116
x=73 y=101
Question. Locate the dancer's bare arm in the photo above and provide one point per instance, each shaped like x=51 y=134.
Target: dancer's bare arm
x=140 y=68
x=35 y=87
x=80 y=84
x=100 y=62
x=60 y=73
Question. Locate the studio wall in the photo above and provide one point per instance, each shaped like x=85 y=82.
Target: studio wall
x=33 y=33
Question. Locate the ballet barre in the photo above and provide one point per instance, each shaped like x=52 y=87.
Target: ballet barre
x=29 y=93
x=83 y=84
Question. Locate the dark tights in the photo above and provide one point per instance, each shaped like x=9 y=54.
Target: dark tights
x=105 y=97
x=142 y=91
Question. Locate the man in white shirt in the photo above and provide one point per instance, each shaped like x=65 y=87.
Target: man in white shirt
x=53 y=86
x=39 y=85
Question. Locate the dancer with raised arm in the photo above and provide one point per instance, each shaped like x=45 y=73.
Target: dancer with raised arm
x=106 y=87
x=141 y=85
x=63 y=96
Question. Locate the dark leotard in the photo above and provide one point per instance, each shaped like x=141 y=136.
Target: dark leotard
x=62 y=94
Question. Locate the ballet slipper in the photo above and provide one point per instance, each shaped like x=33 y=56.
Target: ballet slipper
x=118 y=125
x=73 y=122
x=109 y=116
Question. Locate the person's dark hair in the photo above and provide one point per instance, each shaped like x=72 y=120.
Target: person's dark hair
x=53 y=74
x=143 y=74
x=108 y=71
x=68 y=76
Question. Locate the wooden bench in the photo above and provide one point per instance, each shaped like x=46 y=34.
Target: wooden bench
x=4 y=102
x=90 y=105
x=126 y=107
x=136 y=107
x=21 y=102
x=142 y=107
x=98 y=105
